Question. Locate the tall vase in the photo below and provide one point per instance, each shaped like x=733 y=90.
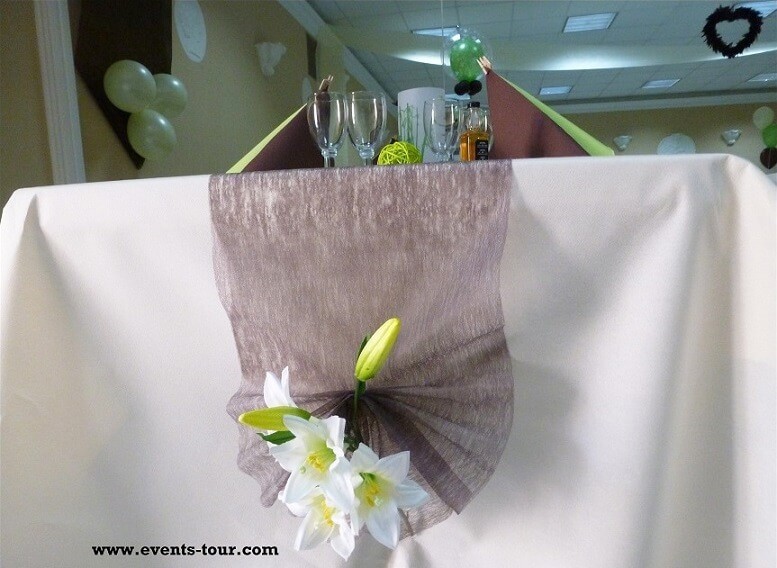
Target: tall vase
x=410 y=105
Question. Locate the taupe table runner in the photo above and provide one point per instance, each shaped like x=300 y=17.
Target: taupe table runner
x=309 y=261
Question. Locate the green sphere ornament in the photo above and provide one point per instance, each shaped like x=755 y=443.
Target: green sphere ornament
x=399 y=153
x=464 y=55
x=769 y=134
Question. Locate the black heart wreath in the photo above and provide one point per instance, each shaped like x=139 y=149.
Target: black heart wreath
x=727 y=14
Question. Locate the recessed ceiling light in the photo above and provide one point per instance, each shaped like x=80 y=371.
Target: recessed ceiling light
x=590 y=22
x=660 y=84
x=555 y=90
x=439 y=32
x=764 y=8
x=763 y=77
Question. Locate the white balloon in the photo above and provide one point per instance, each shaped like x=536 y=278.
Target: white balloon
x=171 y=95
x=763 y=117
x=129 y=85
x=151 y=134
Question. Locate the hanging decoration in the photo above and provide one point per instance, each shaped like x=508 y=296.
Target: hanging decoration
x=151 y=101
x=464 y=52
x=763 y=119
x=727 y=14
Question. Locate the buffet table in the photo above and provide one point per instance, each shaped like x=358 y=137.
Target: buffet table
x=639 y=304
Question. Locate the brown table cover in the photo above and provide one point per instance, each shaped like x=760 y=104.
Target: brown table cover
x=309 y=261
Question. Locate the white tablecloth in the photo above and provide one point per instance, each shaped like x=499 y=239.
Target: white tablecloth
x=639 y=299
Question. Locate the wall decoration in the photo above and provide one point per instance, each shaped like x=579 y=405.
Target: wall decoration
x=731 y=136
x=727 y=14
x=622 y=142
x=269 y=56
x=763 y=117
x=116 y=30
x=152 y=100
x=769 y=158
x=677 y=144
x=190 y=26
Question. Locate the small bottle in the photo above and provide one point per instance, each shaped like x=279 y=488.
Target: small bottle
x=473 y=144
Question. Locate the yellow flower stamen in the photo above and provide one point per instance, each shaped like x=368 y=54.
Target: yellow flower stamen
x=370 y=491
x=320 y=460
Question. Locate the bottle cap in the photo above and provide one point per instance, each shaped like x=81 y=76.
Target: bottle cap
x=473 y=104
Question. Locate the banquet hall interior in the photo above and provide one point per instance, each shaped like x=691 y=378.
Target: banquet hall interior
x=654 y=79
x=548 y=341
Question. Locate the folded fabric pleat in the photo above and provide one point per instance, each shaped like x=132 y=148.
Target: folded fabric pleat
x=287 y=147
x=525 y=127
x=309 y=261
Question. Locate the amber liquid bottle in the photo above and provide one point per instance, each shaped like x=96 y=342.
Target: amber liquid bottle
x=473 y=144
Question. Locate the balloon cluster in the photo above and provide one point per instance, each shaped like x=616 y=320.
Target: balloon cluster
x=464 y=52
x=151 y=100
x=763 y=118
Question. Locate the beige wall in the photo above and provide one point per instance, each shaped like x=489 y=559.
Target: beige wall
x=231 y=104
x=24 y=146
x=703 y=124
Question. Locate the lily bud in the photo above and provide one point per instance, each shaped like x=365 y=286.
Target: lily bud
x=377 y=350
x=271 y=418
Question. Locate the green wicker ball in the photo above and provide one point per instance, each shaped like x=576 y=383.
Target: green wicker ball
x=399 y=153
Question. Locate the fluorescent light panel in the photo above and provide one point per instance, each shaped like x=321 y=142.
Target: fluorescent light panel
x=762 y=77
x=555 y=90
x=766 y=9
x=660 y=84
x=588 y=23
x=439 y=32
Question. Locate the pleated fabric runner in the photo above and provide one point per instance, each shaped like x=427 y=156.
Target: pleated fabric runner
x=309 y=261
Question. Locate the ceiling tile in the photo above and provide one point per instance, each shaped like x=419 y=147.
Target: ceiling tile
x=486 y=12
x=639 y=23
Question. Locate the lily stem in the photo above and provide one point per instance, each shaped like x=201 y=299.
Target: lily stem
x=357 y=392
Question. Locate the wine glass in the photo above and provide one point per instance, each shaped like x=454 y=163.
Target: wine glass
x=366 y=122
x=442 y=125
x=326 y=121
x=488 y=126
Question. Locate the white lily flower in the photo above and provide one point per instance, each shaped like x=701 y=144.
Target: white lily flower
x=382 y=488
x=324 y=522
x=314 y=458
x=276 y=393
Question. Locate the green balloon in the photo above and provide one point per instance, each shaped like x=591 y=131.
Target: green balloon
x=151 y=134
x=171 y=95
x=129 y=85
x=769 y=135
x=464 y=58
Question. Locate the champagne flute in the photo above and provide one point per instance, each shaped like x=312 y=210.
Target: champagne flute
x=488 y=126
x=366 y=122
x=442 y=125
x=326 y=121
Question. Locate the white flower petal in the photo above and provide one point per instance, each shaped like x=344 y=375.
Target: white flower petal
x=335 y=427
x=338 y=489
x=290 y=455
x=273 y=393
x=383 y=524
x=343 y=542
x=394 y=468
x=311 y=533
x=363 y=459
x=409 y=494
x=297 y=508
x=298 y=486
x=285 y=383
x=309 y=432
